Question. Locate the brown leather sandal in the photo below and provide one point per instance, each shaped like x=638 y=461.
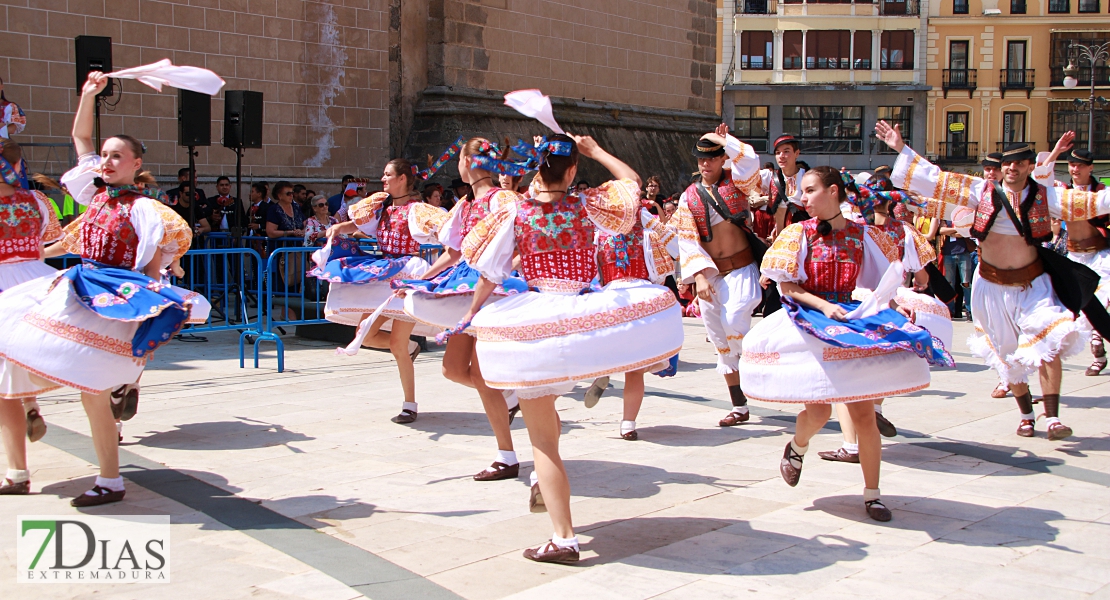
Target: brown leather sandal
x=877 y=511
x=1025 y=428
x=1058 y=431
x=11 y=488
x=735 y=418
x=1096 y=367
x=406 y=416
x=631 y=436
x=1001 y=390
x=551 y=553
x=498 y=471
x=102 y=495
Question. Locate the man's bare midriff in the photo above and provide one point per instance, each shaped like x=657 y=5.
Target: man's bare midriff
x=727 y=240
x=1006 y=251
x=1081 y=230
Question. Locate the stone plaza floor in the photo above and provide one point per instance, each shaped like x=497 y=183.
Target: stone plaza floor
x=297 y=485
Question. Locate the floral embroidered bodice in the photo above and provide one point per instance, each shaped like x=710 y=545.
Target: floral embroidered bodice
x=833 y=261
x=394 y=237
x=107 y=234
x=20 y=227
x=556 y=240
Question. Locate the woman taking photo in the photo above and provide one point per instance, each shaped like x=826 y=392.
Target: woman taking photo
x=541 y=343
x=360 y=283
x=113 y=306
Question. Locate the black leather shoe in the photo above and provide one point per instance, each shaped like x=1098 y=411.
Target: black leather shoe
x=406 y=416
x=10 y=488
x=512 y=413
x=877 y=511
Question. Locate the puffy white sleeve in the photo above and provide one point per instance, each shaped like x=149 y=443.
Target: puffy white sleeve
x=78 y=181
x=51 y=228
x=948 y=191
x=614 y=205
x=744 y=164
x=367 y=213
x=660 y=246
x=875 y=262
x=149 y=228
x=692 y=258
x=1077 y=205
x=919 y=252
x=425 y=222
x=784 y=261
x=451 y=234
x=1044 y=172
x=489 y=246
x=765 y=176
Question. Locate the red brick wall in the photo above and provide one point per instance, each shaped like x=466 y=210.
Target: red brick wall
x=277 y=47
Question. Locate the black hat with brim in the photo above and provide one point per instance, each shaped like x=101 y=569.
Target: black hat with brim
x=1018 y=151
x=1081 y=156
x=708 y=149
x=786 y=138
x=994 y=159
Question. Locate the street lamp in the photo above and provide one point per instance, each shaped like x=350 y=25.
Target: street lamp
x=1092 y=54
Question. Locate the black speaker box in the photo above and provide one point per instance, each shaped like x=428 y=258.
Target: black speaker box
x=94 y=53
x=194 y=119
x=242 y=119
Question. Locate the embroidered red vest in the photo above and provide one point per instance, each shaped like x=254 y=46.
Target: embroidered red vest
x=476 y=210
x=556 y=240
x=613 y=251
x=107 y=234
x=833 y=261
x=1033 y=212
x=734 y=199
x=20 y=227
x=894 y=229
x=394 y=238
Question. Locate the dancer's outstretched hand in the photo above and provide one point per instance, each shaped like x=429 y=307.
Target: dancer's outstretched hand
x=892 y=135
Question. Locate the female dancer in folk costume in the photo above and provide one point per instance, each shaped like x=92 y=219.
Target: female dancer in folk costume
x=641 y=257
x=716 y=252
x=1086 y=238
x=1022 y=324
x=12 y=119
x=541 y=343
x=360 y=283
x=876 y=203
x=444 y=295
x=94 y=326
x=824 y=348
x=27 y=221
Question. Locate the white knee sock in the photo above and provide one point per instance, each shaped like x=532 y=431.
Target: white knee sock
x=18 y=476
x=116 y=485
x=570 y=542
x=627 y=426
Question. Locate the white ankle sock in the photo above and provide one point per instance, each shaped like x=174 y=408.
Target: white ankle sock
x=1029 y=417
x=740 y=410
x=870 y=494
x=32 y=404
x=627 y=426
x=533 y=479
x=797 y=464
x=879 y=408
x=511 y=400
x=851 y=448
x=507 y=457
x=1049 y=421
x=408 y=406
x=119 y=427
x=18 y=476
x=116 y=485
x=570 y=542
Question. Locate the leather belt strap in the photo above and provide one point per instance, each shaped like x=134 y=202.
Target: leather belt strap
x=1017 y=277
x=1091 y=244
x=739 y=260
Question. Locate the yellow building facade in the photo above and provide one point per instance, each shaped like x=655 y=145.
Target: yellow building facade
x=996 y=69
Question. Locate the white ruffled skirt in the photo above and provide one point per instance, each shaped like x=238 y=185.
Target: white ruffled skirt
x=541 y=344
x=1016 y=329
x=1099 y=262
x=349 y=303
x=15 y=273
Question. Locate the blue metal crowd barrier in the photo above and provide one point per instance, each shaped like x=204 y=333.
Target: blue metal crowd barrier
x=290 y=298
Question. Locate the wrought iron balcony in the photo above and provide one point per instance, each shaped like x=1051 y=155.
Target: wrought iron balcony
x=959 y=152
x=1016 y=79
x=757 y=7
x=960 y=79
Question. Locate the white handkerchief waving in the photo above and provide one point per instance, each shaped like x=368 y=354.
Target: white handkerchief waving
x=163 y=72
x=532 y=103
